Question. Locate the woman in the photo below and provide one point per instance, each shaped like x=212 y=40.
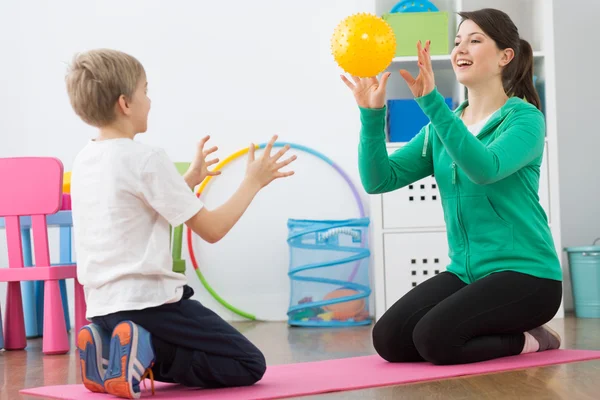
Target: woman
x=504 y=280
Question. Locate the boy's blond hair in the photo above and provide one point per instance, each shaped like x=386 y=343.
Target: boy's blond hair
x=95 y=81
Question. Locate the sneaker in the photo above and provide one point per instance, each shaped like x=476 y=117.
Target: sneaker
x=131 y=360
x=93 y=343
x=546 y=337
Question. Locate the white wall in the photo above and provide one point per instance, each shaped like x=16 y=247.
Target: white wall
x=577 y=88
x=238 y=70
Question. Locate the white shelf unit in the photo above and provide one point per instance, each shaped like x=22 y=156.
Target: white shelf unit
x=408 y=230
x=441 y=61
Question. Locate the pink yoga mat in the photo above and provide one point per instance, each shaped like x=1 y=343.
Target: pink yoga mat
x=290 y=380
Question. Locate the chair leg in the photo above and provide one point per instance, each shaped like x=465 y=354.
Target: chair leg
x=55 y=339
x=15 y=324
x=32 y=329
x=65 y=300
x=39 y=305
x=65 y=258
x=30 y=310
x=1 y=330
x=80 y=307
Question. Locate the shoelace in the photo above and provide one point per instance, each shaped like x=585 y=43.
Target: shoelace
x=146 y=374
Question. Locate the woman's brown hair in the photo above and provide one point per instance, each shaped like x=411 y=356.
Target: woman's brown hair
x=517 y=76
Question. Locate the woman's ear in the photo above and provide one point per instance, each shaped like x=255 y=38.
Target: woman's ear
x=507 y=56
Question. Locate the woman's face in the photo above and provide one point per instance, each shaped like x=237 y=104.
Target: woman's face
x=476 y=57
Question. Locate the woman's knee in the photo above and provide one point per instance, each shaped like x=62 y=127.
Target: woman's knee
x=433 y=345
x=390 y=346
x=381 y=341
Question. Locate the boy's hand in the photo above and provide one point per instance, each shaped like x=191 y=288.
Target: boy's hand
x=198 y=169
x=213 y=225
x=264 y=170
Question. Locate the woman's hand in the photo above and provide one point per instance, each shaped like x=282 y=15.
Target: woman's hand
x=425 y=82
x=368 y=92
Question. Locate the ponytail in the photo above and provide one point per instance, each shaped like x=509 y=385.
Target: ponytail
x=517 y=76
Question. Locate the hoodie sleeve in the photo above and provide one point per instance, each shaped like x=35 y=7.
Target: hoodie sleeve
x=380 y=172
x=520 y=141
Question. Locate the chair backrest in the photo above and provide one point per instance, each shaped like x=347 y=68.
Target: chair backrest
x=29 y=186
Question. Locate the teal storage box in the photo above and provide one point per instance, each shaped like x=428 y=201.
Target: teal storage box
x=584 y=266
x=405 y=119
x=410 y=27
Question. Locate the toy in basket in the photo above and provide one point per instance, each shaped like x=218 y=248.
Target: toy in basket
x=329 y=272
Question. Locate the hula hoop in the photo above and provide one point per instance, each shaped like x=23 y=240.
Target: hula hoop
x=235 y=156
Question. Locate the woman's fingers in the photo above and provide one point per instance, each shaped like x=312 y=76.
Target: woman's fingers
x=347 y=82
x=427 y=56
x=384 y=79
x=407 y=77
x=419 y=53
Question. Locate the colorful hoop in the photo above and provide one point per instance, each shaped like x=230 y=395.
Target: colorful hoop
x=233 y=157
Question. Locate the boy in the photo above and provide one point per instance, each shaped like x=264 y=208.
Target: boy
x=126 y=195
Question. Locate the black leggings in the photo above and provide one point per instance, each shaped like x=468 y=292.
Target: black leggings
x=445 y=321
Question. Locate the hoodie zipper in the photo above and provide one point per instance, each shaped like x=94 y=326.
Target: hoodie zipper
x=454 y=173
x=425 y=142
x=460 y=222
x=458 y=208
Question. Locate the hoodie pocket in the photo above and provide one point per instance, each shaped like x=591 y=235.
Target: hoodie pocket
x=486 y=229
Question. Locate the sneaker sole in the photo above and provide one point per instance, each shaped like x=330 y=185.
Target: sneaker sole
x=86 y=343
x=122 y=386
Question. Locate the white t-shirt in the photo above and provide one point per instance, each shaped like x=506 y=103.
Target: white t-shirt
x=478 y=126
x=124 y=196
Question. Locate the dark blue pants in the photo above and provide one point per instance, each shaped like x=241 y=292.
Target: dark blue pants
x=193 y=345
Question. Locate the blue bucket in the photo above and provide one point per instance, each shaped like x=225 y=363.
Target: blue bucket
x=584 y=266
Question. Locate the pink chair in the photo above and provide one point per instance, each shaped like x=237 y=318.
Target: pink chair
x=32 y=186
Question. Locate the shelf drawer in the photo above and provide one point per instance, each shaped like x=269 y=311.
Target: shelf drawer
x=410 y=259
x=415 y=206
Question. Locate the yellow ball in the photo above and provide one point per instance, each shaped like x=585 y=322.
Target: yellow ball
x=363 y=45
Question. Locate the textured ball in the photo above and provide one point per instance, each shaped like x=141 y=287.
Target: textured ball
x=363 y=45
x=345 y=310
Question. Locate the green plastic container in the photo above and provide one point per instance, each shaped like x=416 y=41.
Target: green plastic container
x=177 y=233
x=410 y=27
x=584 y=266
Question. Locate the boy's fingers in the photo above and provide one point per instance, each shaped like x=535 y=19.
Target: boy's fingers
x=203 y=141
x=281 y=152
x=285 y=162
x=211 y=150
x=269 y=146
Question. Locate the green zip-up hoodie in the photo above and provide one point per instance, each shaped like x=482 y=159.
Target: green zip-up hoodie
x=488 y=184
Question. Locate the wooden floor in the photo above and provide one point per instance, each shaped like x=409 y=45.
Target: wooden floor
x=21 y=369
